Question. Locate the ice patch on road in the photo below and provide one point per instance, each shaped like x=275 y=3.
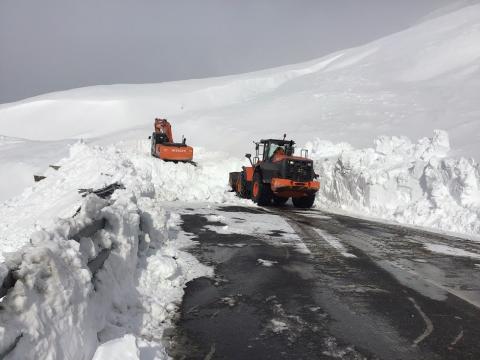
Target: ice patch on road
x=268 y=227
x=448 y=250
x=335 y=243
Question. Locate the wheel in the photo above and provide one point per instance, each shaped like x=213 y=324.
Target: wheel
x=260 y=191
x=279 y=201
x=304 y=202
x=242 y=187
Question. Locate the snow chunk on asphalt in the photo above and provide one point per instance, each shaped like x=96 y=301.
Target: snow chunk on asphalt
x=278 y=326
x=448 y=250
x=266 y=263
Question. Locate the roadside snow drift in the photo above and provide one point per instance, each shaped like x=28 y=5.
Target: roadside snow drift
x=62 y=307
x=129 y=163
x=411 y=183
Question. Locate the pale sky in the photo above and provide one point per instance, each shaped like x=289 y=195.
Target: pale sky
x=52 y=45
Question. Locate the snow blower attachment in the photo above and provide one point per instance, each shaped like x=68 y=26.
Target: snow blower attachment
x=163 y=146
x=276 y=175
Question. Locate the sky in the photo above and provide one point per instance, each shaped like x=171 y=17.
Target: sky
x=53 y=45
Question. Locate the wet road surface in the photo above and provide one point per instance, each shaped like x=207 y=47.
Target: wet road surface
x=363 y=290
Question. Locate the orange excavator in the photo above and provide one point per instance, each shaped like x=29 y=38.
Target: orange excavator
x=163 y=146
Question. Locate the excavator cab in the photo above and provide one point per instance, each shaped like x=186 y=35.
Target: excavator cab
x=163 y=146
x=159 y=138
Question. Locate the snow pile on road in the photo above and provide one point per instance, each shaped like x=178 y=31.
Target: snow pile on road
x=411 y=183
x=128 y=163
x=61 y=306
x=451 y=251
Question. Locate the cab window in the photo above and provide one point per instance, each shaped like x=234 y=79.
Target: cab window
x=273 y=148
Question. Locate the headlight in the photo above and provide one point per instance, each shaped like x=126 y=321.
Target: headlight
x=291 y=162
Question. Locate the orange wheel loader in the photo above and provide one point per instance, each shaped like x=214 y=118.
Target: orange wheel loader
x=163 y=146
x=276 y=175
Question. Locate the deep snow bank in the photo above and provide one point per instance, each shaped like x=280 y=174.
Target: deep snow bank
x=129 y=163
x=59 y=309
x=412 y=183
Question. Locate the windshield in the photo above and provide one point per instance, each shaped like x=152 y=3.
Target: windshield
x=275 y=149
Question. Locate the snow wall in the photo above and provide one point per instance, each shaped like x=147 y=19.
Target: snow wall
x=410 y=183
x=80 y=283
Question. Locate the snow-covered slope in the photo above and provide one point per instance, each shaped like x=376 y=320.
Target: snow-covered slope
x=405 y=84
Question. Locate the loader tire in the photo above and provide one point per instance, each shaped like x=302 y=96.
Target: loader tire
x=304 y=202
x=242 y=187
x=261 y=193
x=279 y=201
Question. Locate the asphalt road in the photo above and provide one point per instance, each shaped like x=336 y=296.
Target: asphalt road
x=365 y=290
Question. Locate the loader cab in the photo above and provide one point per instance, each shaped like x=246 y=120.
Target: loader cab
x=271 y=147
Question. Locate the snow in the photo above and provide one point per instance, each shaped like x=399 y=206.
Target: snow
x=124 y=348
x=409 y=83
x=390 y=93
x=278 y=326
x=16 y=159
x=58 y=309
x=90 y=166
x=256 y=224
x=410 y=183
x=394 y=89
x=398 y=88
x=266 y=263
x=448 y=250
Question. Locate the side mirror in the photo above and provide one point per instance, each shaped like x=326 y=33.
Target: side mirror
x=150 y=137
x=249 y=157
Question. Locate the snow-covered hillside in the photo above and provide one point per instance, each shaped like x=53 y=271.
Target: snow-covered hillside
x=408 y=84
x=426 y=76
